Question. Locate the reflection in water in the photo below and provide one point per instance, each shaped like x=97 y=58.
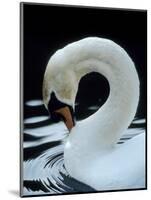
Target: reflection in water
x=37 y=102
x=43 y=167
x=36 y=119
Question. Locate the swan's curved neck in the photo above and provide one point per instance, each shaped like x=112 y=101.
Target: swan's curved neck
x=110 y=121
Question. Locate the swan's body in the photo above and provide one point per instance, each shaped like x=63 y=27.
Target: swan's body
x=91 y=154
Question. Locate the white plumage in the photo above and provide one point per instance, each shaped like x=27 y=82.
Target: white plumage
x=91 y=154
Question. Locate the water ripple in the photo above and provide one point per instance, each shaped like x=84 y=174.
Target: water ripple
x=43 y=167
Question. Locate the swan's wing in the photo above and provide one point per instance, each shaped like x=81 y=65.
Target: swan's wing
x=121 y=168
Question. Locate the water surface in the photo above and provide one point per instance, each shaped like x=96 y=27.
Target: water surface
x=43 y=166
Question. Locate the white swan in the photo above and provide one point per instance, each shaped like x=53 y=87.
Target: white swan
x=91 y=154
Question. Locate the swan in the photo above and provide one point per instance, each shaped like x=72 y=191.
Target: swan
x=91 y=153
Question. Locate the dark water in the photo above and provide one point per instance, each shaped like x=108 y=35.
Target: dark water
x=43 y=167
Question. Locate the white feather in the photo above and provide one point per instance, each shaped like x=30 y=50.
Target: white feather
x=91 y=154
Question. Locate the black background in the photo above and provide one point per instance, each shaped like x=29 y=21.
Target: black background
x=46 y=28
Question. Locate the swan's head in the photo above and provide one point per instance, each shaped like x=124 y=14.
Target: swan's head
x=59 y=93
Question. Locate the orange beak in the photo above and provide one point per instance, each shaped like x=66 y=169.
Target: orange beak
x=67 y=117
